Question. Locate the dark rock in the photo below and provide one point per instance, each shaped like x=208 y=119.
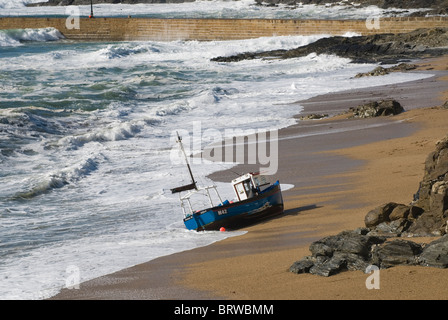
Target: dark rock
x=396 y=252
x=445 y=105
x=401 y=211
x=391 y=229
x=415 y=212
x=427 y=225
x=302 y=266
x=379 y=214
x=329 y=267
x=435 y=254
x=347 y=242
x=380 y=71
x=348 y=250
x=314 y=116
x=377 y=109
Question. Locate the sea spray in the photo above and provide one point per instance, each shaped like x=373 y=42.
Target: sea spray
x=16 y=37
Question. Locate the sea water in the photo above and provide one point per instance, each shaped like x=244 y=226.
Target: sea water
x=87 y=133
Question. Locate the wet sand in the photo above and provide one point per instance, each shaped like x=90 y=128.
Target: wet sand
x=340 y=168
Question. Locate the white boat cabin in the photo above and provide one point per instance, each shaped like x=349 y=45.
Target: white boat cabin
x=248 y=185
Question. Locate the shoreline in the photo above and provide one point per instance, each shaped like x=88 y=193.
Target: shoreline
x=324 y=172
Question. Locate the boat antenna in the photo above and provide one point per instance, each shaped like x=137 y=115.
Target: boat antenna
x=193 y=182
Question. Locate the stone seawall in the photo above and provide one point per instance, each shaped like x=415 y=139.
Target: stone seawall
x=127 y=29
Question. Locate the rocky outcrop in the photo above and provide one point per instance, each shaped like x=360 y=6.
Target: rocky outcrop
x=427 y=215
x=314 y=116
x=381 y=242
x=377 y=109
x=435 y=5
x=445 y=105
x=385 y=48
x=435 y=254
x=349 y=250
x=380 y=71
x=357 y=250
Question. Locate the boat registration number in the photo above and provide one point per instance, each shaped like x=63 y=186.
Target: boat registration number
x=221 y=212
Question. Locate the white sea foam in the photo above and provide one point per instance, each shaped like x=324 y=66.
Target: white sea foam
x=10 y=4
x=38 y=185
x=15 y=37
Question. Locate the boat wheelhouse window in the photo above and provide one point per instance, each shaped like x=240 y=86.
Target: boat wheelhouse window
x=247 y=186
x=240 y=188
x=244 y=189
x=260 y=181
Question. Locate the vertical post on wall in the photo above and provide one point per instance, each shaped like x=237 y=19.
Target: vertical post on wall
x=91 y=9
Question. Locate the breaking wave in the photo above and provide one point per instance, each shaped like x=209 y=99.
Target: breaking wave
x=120 y=51
x=59 y=178
x=117 y=132
x=15 y=37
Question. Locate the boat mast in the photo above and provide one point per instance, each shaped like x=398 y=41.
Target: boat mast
x=179 y=140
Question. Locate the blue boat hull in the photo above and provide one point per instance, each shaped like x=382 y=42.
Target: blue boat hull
x=235 y=215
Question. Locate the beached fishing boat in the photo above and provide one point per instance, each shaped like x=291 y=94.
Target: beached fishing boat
x=255 y=200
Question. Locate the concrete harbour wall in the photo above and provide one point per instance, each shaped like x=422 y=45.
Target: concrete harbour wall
x=127 y=29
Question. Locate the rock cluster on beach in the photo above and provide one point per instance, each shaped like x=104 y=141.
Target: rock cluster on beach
x=382 y=108
x=381 y=242
x=377 y=109
x=381 y=71
x=357 y=250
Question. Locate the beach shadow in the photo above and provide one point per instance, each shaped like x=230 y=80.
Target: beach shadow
x=298 y=210
x=289 y=212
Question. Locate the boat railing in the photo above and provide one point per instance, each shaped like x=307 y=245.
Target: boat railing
x=185 y=199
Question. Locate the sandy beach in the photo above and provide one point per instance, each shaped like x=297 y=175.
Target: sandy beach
x=341 y=169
